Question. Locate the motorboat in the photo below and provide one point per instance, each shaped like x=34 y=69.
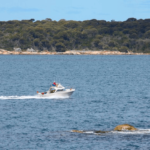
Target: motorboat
x=57 y=90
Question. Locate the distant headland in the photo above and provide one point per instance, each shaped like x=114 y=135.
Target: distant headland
x=61 y=37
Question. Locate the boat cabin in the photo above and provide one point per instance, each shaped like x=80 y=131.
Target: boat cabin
x=56 y=88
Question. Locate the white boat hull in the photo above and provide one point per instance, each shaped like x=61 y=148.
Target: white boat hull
x=66 y=93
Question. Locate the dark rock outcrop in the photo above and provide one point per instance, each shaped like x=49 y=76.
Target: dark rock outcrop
x=99 y=131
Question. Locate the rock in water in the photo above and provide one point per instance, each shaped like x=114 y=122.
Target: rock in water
x=99 y=131
x=117 y=128
x=78 y=131
x=124 y=127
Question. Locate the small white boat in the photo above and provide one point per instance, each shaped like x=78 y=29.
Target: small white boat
x=57 y=90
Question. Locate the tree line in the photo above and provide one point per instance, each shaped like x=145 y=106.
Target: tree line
x=130 y=35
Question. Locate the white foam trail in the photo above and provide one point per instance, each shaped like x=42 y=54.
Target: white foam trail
x=89 y=132
x=139 y=131
x=31 y=97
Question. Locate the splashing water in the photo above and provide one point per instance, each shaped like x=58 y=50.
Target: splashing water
x=139 y=131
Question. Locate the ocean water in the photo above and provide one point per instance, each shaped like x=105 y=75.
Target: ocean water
x=110 y=90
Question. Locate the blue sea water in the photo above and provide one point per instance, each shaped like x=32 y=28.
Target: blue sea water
x=110 y=90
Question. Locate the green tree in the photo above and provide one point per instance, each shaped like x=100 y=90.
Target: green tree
x=133 y=35
x=60 y=47
x=131 y=19
x=147 y=34
x=96 y=42
x=111 y=44
x=123 y=49
x=36 y=42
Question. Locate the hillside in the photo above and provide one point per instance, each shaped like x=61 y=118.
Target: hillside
x=130 y=35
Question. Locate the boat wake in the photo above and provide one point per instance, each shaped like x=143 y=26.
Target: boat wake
x=31 y=97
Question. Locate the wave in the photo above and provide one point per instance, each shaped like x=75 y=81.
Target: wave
x=31 y=97
x=139 y=131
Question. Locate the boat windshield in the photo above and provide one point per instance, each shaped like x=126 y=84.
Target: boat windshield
x=52 y=90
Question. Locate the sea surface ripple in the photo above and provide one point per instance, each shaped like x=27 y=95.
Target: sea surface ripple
x=110 y=90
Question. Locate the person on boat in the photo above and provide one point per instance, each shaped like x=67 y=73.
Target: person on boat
x=54 y=84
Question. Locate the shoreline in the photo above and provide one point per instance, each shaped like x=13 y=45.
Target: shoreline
x=71 y=52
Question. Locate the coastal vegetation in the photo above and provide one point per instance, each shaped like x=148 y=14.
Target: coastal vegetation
x=130 y=35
